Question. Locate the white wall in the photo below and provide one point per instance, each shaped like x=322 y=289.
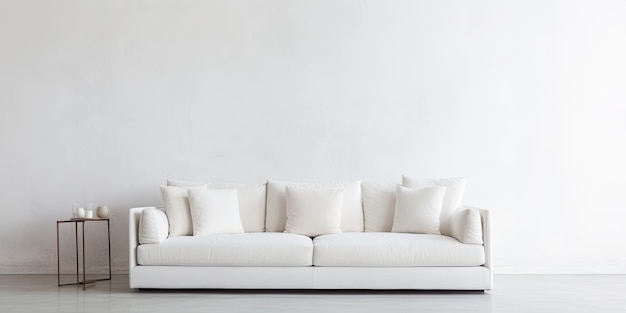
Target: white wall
x=103 y=100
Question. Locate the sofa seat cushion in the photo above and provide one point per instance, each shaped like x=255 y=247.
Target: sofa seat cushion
x=250 y=249
x=382 y=249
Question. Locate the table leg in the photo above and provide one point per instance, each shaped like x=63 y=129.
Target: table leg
x=109 y=240
x=84 y=276
x=58 y=259
x=76 y=234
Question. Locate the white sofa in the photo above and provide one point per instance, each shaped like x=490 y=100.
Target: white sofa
x=282 y=260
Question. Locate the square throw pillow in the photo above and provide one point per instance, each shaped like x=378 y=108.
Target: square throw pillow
x=466 y=226
x=177 y=209
x=215 y=211
x=313 y=211
x=417 y=210
x=153 y=227
x=455 y=187
x=379 y=204
x=351 y=211
x=251 y=201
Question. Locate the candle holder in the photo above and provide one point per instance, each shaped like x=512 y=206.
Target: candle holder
x=75 y=207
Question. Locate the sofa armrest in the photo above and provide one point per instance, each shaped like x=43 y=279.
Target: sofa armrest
x=487 y=242
x=459 y=221
x=133 y=236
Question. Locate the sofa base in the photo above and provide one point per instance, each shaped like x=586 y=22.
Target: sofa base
x=405 y=278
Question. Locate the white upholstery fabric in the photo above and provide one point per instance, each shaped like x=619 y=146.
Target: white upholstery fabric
x=390 y=278
x=251 y=204
x=214 y=211
x=220 y=277
x=351 y=212
x=466 y=226
x=251 y=201
x=394 y=250
x=379 y=202
x=314 y=277
x=153 y=226
x=276 y=206
x=302 y=277
x=417 y=210
x=251 y=249
x=313 y=211
x=177 y=209
x=455 y=187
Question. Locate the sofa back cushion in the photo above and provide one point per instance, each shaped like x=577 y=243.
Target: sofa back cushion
x=379 y=201
x=313 y=211
x=251 y=201
x=351 y=211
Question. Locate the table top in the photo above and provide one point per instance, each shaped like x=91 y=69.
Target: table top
x=82 y=219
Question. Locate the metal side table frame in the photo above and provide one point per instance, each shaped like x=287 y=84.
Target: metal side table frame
x=86 y=284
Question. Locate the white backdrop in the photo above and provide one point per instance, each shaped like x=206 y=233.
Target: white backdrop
x=103 y=100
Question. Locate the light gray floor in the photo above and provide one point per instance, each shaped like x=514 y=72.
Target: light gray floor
x=512 y=293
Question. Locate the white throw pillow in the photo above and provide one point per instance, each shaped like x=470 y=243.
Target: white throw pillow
x=177 y=209
x=351 y=211
x=379 y=203
x=455 y=187
x=251 y=201
x=417 y=210
x=466 y=226
x=153 y=227
x=313 y=211
x=215 y=211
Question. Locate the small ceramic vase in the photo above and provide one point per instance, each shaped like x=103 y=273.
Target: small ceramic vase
x=103 y=211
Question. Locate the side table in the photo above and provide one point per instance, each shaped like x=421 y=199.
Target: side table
x=82 y=221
